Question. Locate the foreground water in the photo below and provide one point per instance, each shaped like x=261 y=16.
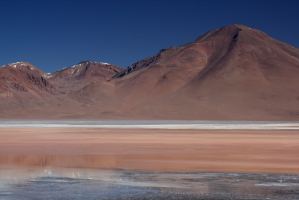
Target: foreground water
x=70 y=183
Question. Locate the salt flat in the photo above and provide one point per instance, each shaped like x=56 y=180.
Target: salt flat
x=153 y=124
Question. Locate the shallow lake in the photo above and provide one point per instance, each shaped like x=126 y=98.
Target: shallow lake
x=72 y=183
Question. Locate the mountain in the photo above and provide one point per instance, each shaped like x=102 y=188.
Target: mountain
x=234 y=72
x=231 y=73
x=27 y=92
x=22 y=80
x=82 y=74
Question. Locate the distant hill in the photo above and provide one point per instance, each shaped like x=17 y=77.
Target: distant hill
x=82 y=74
x=22 y=80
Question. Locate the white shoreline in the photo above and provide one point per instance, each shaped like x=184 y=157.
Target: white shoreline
x=148 y=124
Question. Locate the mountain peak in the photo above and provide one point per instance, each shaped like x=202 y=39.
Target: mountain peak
x=83 y=73
x=240 y=26
x=88 y=62
x=24 y=66
x=21 y=64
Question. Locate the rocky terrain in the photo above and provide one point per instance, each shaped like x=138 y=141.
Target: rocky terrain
x=22 y=81
x=231 y=73
x=82 y=74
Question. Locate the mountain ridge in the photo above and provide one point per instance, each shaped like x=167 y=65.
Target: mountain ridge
x=230 y=73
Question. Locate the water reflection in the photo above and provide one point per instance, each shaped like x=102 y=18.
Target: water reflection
x=81 y=183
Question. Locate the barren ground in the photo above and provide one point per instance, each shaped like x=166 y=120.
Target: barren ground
x=250 y=151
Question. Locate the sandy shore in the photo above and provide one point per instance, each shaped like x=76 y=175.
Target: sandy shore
x=152 y=149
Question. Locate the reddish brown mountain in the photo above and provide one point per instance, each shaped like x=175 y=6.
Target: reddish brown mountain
x=22 y=81
x=82 y=74
x=234 y=72
x=231 y=73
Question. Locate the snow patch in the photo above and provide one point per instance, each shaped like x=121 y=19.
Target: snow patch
x=62 y=69
x=77 y=72
x=48 y=75
x=18 y=64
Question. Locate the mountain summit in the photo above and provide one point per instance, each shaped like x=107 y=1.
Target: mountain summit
x=231 y=73
x=23 y=80
x=83 y=73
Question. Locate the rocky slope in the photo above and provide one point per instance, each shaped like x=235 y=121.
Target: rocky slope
x=82 y=74
x=23 y=81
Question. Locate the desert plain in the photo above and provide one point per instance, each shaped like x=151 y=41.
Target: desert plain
x=265 y=148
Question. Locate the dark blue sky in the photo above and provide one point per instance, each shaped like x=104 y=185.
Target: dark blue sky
x=52 y=34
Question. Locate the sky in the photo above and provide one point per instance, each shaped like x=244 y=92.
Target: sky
x=53 y=34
